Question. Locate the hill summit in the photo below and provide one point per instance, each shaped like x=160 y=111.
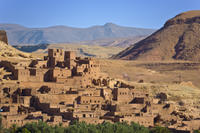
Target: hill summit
x=178 y=39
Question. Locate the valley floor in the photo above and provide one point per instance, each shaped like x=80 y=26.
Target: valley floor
x=179 y=79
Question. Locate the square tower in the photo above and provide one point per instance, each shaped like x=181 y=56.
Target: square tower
x=70 y=57
x=55 y=56
x=58 y=54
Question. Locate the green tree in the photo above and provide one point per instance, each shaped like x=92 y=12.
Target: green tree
x=13 y=129
x=59 y=129
x=1 y=125
x=25 y=130
x=83 y=127
x=106 y=127
x=160 y=130
x=197 y=131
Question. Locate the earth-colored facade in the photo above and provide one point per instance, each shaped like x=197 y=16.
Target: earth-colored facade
x=62 y=88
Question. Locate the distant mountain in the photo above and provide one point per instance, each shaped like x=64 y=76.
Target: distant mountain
x=104 y=48
x=18 y=34
x=114 y=42
x=178 y=39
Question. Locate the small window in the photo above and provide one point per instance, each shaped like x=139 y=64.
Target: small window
x=84 y=115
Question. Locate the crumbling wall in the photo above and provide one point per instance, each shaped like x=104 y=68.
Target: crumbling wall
x=3 y=36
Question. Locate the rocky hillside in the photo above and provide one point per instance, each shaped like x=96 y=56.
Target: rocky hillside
x=7 y=51
x=18 y=34
x=178 y=39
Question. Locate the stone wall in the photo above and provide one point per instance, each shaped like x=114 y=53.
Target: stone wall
x=3 y=36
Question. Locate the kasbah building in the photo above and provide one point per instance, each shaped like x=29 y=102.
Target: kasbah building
x=62 y=88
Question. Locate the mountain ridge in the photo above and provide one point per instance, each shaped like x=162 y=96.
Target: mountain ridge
x=18 y=34
x=178 y=39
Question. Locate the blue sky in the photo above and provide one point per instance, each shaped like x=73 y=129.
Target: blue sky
x=85 y=13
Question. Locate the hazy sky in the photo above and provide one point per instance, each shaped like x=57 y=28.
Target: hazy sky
x=85 y=13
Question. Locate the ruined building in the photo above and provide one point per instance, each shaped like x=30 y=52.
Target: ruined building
x=62 y=88
x=3 y=36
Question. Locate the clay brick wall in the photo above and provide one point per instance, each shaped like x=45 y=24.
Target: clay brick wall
x=9 y=120
x=82 y=107
x=78 y=81
x=41 y=64
x=51 y=62
x=147 y=121
x=70 y=55
x=194 y=124
x=56 y=99
x=92 y=92
x=58 y=54
x=85 y=114
x=26 y=101
x=3 y=36
x=122 y=95
x=56 y=57
x=107 y=93
x=139 y=93
x=23 y=74
x=70 y=63
x=90 y=100
x=70 y=58
x=60 y=74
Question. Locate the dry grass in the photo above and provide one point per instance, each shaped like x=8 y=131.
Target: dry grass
x=164 y=78
x=139 y=70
